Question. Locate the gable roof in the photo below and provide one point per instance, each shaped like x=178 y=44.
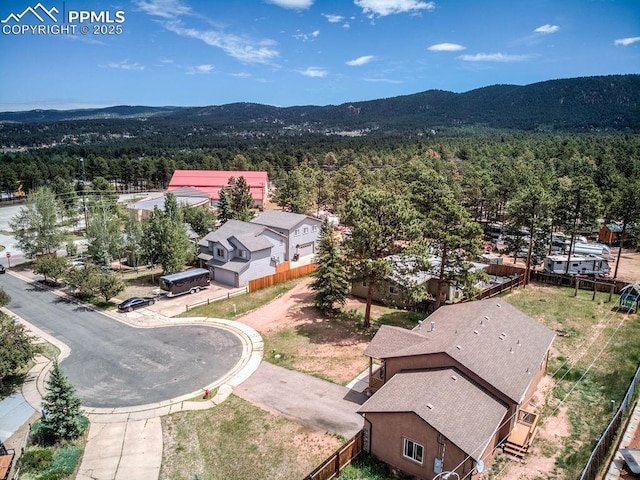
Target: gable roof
x=211 y=181
x=280 y=219
x=448 y=401
x=491 y=338
x=248 y=234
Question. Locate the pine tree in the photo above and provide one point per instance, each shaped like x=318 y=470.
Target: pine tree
x=241 y=199
x=332 y=283
x=225 y=210
x=62 y=418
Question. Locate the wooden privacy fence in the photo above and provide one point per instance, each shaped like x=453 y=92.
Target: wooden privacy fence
x=264 y=282
x=601 y=285
x=342 y=457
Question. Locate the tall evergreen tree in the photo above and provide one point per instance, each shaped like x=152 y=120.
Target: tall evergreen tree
x=62 y=418
x=379 y=221
x=241 y=199
x=225 y=209
x=626 y=208
x=332 y=282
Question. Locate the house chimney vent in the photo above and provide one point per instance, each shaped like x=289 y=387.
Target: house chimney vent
x=433 y=327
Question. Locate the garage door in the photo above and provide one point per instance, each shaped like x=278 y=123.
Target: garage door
x=306 y=249
x=224 y=276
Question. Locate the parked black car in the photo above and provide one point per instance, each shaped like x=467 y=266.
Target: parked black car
x=2 y=269
x=132 y=303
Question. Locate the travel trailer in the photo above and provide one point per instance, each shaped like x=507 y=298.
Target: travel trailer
x=592 y=249
x=579 y=265
x=190 y=281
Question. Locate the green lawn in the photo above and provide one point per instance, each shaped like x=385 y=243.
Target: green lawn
x=593 y=361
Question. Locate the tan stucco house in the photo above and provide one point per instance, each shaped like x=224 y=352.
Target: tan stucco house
x=448 y=392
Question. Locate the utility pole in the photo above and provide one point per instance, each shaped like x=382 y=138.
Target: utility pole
x=84 y=200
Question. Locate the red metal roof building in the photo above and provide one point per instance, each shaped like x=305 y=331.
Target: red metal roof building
x=211 y=181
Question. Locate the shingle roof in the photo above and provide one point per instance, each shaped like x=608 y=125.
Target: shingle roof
x=491 y=338
x=280 y=219
x=448 y=401
x=249 y=234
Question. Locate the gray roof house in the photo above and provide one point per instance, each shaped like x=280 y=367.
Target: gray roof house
x=302 y=232
x=240 y=251
x=460 y=382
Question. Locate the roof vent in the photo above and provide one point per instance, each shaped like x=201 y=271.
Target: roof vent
x=459 y=347
x=518 y=343
x=502 y=336
x=433 y=327
x=498 y=305
x=429 y=406
x=511 y=350
x=454 y=378
x=476 y=332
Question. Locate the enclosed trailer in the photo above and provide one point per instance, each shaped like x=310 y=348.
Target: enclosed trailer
x=190 y=281
x=579 y=265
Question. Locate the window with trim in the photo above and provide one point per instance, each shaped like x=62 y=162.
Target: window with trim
x=314 y=228
x=305 y=230
x=412 y=450
x=220 y=252
x=242 y=253
x=296 y=232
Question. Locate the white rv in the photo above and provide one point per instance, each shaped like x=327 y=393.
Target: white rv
x=579 y=265
x=592 y=249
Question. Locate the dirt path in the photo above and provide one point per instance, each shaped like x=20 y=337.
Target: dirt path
x=278 y=313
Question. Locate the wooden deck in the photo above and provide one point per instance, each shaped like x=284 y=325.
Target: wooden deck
x=522 y=434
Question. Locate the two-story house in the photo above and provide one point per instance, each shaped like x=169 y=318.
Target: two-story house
x=240 y=251
x=450 y=391
x=302 y=232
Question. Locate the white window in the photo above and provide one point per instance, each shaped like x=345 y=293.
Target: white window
x=314 y=228
x=296 y=232
x=220 y=252
x=242 y=253
x=305 y=230
x=412 y=450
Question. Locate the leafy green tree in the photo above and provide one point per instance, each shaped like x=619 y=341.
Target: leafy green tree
x=297 y=192
x=51 y=266
x=103 y=192
x=202 y=220
x=63 y=419
x=36 y=227
x=379 y=221
x=531 y=210
x=104 y=235
x=133 y=239
x=626 y=209
x=67 y=197
x=241 y=199
x=331 y=283
x=165 y=239
x=16 y=346
x=108 y=285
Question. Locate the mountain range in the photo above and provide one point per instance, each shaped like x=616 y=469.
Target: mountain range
x=577 y=104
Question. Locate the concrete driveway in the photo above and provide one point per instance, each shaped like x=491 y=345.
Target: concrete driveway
x=306 y=399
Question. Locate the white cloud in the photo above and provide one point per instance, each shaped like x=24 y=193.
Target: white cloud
x=547 y=29
x=383 y=8
x=307 y=36
x=493 y=57
x=240 y=48
x=205 y=68
x=333 y=18
x=382 y=80
x=241 y=75
x=124 y=65
x=626 y=41
x=360 y=60
x=446 y=47
x=292 y=4
x=314 y=72
x=163 y=8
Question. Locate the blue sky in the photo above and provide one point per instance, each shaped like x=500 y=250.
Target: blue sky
x=301 y=52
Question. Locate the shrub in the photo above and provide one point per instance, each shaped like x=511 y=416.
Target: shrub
x=36 y=460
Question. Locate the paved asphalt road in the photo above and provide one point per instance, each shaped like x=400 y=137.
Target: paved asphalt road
x=115 y=365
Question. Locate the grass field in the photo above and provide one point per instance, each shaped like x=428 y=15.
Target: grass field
x=238 y=440
x=593 y=360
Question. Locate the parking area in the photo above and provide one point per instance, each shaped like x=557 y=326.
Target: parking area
x=173 y=306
